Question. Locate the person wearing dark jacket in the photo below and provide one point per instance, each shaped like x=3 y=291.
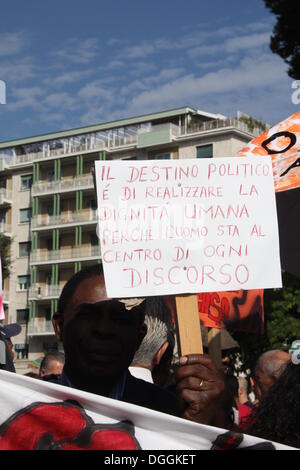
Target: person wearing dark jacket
x=100 y=336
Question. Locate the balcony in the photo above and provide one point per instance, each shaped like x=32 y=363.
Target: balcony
x=85 y=182
x=158 y=135
x=114 y=142
x=154 y=135
x=5 y=228
x=5 y=162
x=207 y=126
x=65 y=255
x=65 y=219
x=40 y=327
x=5 y=197
x=45 y=292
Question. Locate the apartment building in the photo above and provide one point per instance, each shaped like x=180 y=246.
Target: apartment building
x=48 y=204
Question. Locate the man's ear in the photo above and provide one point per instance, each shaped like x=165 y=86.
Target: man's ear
x=160 y=353
x=57 y=322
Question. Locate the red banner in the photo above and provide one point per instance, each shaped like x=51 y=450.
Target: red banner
x=239 y=310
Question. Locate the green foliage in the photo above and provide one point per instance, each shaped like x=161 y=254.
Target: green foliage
x=282 y=323
x=253 y=123
x=5 y=243
x=285 y=40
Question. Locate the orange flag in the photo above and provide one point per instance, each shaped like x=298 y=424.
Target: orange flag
x=282 y=143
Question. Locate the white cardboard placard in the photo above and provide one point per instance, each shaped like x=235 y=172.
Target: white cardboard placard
x=187 y=226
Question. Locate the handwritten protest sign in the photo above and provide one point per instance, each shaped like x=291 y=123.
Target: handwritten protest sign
x=282 y=142
x=1 y=295
x=187 y=226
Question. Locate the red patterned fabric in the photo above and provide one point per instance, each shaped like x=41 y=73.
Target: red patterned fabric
x=63 y=426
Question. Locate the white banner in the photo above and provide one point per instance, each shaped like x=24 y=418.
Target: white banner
x=187 y=226
x=40 y=415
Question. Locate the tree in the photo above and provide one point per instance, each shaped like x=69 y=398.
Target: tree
x=5 y=243
x=285 y=40
x=282 y=322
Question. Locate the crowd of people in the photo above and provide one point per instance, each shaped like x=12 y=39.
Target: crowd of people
x=123 y=349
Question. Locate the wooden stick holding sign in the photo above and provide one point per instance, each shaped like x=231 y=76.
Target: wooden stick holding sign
x=189 y=330
x=190 y=337
x=214 y=346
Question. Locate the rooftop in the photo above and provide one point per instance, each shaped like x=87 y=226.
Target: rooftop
x=110 y=125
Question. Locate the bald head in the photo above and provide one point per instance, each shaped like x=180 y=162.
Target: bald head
x=273 y=362
x=269 y=367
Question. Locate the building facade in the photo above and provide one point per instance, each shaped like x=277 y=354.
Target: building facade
x=48 y=203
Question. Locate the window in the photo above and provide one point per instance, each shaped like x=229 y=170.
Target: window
x=48 y=282
x=26 y=182
x=23 y=282
x=50 y=210
x=48 y=314
x=49 y=244
x=205 y=151
x=25 y=215
x=50 y=176
x=94 y=240
x=163 y=156
x=22 y=316
x=93 y=204
x=24 y=249
x=127 y=159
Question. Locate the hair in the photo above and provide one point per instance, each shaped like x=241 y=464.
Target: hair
x=230 y=394
x=270 y=364
x=72 y=284
x=50 y=356
x=32 y=375
x=277 y=416
x=162 y=372
x=232 y=384
x=159 y=324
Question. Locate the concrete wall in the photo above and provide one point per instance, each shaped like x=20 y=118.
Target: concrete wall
x=224 y=145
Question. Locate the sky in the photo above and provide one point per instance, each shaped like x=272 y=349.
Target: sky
x=72 y=63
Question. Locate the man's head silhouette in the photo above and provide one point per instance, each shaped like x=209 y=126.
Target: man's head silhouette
x=100 y=335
